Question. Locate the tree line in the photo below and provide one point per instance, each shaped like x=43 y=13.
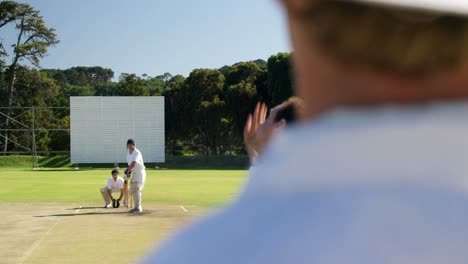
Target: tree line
x=204 y=112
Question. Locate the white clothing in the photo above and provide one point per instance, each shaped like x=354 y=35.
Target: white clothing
x=139 y=177
x=138 y=171
x=115 y=186
x=136 y=189
x=383 y=185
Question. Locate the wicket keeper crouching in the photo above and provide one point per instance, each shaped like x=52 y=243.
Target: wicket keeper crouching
x=114 y=184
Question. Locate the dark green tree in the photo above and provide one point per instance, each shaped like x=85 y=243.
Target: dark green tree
x=61 y=139
x=204 y=84
x=261 y=63
x=34 y=88
x=75 y=77
x=279 y=81
x=172 y=105
x=8 y=14
x=32 y=42
x=241 y=95
x=106 y=89
x=88 y=75
x=157 y=85
x=242 y=72
x=57 y=75
x=132 y=85
x=190 y=106
x=212 y=126
x=175 y=82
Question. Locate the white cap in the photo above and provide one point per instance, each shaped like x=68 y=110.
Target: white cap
x=443 y=6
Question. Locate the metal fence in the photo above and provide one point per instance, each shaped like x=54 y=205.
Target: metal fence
x=22 y=122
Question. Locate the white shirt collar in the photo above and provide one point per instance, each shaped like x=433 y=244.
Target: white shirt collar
x=424 y=145
x=131 y=153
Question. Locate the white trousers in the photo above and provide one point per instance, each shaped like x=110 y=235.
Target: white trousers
x=135 y=190
x=136 y=187
x=105 y=195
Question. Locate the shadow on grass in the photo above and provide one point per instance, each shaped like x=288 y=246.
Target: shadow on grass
x=55 y=161
x=90 y=213
x=86 y=207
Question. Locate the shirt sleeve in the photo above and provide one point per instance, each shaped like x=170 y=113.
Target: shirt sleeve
x=136 y=156
x=109 y=184
x=129 y=158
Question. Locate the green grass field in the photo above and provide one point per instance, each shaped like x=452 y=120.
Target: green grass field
x=200 y=188
x=56 y=216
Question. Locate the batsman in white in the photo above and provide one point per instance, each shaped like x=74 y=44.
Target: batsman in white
x=114 y=184
x=376 y=169
x=137 y=167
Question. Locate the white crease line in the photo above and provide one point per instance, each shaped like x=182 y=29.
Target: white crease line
x=183 y=208
x=77 y=210
x=37 y=243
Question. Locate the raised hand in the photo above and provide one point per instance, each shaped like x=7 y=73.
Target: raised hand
x=259 y=129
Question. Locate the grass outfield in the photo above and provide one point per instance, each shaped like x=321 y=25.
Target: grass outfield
x=57 y=216
x=200 y=188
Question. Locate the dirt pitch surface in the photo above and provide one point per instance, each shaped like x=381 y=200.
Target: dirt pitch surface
x=58 y=233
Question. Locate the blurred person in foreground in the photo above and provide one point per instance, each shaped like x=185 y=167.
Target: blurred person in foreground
x=376 y=172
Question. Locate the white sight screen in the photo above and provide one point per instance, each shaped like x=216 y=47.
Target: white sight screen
x=100 y=127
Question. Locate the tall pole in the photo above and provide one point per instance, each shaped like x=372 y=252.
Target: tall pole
x=33 y=129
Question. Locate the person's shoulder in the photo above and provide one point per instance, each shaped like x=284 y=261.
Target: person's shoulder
x=137 y=152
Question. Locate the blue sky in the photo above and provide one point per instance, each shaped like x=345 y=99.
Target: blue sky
x=154 y=36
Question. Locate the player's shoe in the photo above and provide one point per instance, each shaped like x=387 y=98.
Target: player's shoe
x=107 y=205
x=135 y=211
